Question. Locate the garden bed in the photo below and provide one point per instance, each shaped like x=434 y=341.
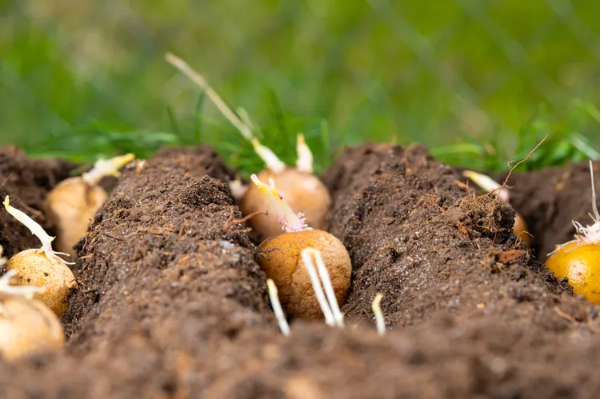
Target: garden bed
x=173 y=305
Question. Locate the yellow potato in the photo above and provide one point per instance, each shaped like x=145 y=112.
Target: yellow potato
x=70 y=207
x=280 y=258
x=28 y=327
x=303 y=191
x=580 y=264
x=35 y=269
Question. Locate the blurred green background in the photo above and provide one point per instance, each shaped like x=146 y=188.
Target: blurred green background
x=480 y=82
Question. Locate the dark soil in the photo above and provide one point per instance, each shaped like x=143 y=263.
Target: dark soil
x=27 y=182
x=550 y=199
x=172 y=305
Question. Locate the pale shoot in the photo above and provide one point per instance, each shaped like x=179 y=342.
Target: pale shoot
x=326 y=283
x=237 y=188
x=331 y=310
x=25 y=291
x=305 y=159
x=488 y=184
x=2 y=259
x=273 y=294
x=271 y=160
x=38 y=231
x=245 y=118
x=291 y=222
x=317 y=286
x=378 y=314
x=241 y=122
x=106 y=167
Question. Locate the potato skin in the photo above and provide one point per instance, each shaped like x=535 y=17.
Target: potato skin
x=580 y=264
x=303 y=191
x=28 y=327
x=280 y=258
x=34 y=268
x=70 y=207
x=520 y=230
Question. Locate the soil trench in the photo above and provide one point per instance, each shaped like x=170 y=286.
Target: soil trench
x=550 y=199
x=172 y=304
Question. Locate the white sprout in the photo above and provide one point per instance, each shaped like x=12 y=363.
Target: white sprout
x=241 y=123
x=38 y=231
x=588 y=235
x=237 y=188
x=106 y=167
x=245 y=118
x=291 y=222
x=26 y=291
x=378 y=314
x=305 y=158
x=271 y=160
x=488 y=184
x=330 y=308
x=273 y=294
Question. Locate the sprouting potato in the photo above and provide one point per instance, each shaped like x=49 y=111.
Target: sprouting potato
x=74 y=202
x=281 y=259
x=580 y=264
x=303 y=190
x=42 y=267
x=27 y=326
x=579 y=260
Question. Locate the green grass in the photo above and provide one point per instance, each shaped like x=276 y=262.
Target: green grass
x=480 y=83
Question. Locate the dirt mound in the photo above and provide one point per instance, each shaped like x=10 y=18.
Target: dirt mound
x=172 y=305
x=550 y=199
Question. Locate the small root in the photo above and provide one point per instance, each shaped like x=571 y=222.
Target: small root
x=231 y=221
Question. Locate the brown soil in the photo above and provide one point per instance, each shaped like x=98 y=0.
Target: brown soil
x=27 y=182
x=551 y=199
x=172 y=304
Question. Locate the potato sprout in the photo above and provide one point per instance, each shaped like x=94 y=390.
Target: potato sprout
x=280 y=317
x=283 y=259
x=578 y=260
x=304 y=191
x=331 y=310
x=74 y=202
x=42 y=267
x=378 y=314
x=503 y=194
x=27 y=326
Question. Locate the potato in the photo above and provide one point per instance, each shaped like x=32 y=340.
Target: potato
x=580 y=264
x=520 y=230
x=70 y=207
x=280 y=258
x=74 y=202
x=303 y=191
x=28 y=327
x=34 y=268
x=579 y=260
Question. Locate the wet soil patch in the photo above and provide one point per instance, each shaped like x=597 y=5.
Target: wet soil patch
x=550 y=199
